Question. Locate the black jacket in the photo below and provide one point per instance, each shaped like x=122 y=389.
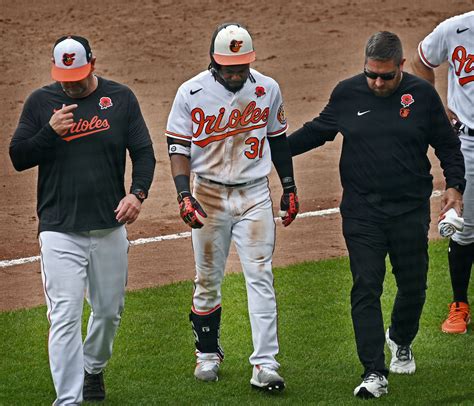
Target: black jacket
x=81 y=174
x=384 y=166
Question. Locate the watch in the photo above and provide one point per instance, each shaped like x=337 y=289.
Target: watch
x=140 y=194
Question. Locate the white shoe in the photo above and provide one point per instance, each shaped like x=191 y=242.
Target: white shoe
x=374 y=385
x=267 y=379
x=207 y=370
x=403 y=361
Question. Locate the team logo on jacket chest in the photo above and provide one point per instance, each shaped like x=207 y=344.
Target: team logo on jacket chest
x=462 y=61
x=84 y=128
x=250 y=118
x=406 y=100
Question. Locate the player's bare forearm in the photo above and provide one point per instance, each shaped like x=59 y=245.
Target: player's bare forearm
x=180 y=169
x=189 y=207
x=180 y=165
x=179 y=152
x=421 y=70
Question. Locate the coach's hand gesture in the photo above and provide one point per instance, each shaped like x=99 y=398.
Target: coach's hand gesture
x=63 y=119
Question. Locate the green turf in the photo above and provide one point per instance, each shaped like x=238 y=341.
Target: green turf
x=153 y=354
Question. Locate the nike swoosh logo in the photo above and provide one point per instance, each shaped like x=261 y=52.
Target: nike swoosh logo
x=195 y=91
x=458 y=31
x=363 y=112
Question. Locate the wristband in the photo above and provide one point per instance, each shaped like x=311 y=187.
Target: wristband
x=179 y=149
x=288 y=184
x=182 y=183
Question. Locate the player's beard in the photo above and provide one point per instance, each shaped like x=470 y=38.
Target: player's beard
x=231 y=85
x=235 y=86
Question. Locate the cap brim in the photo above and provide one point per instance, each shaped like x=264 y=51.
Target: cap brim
x=234 y=59
x=70 y=75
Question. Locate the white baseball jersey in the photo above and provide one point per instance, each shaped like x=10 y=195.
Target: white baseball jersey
x=453 y=40
x=228 y=130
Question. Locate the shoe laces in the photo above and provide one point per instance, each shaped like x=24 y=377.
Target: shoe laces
x=456 y=314
x=373 y=377
x=94 y=382
x=269 y=371
x=404 y=353
x=208 y=365
x=267 y=374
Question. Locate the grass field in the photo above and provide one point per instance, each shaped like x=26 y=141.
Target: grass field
x=153 y=355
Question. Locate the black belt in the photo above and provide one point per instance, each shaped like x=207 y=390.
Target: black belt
x=230 y=184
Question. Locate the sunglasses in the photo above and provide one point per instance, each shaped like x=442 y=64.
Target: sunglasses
x=383 y=76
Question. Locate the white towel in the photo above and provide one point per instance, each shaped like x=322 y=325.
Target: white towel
x=449 y=223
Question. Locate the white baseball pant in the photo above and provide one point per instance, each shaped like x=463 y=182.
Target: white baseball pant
x=242 y=214
x=466 y=236
x=71 y=264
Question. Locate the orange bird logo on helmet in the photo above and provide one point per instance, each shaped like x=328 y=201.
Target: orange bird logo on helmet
x=68 y=59
x=235 y=45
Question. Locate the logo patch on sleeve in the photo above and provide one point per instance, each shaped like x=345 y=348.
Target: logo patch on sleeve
x=281 y=116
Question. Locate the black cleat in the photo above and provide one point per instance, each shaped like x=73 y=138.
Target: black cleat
x=93 y=389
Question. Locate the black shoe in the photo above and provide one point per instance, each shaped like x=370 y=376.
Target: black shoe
x=93 y=389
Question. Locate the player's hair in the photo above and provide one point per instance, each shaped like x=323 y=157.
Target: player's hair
x=384 y=46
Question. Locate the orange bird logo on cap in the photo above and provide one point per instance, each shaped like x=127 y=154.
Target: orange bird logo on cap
x=235 y=45
x=68 y=59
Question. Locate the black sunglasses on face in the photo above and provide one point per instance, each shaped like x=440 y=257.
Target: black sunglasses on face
x=383 y=76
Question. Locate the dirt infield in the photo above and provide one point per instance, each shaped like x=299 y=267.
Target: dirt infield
x=153 y=46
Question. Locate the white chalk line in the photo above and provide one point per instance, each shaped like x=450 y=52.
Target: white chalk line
x=141 y=241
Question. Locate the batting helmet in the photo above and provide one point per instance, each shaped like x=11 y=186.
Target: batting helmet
x=231 y=44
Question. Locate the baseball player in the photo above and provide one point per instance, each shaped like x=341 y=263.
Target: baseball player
x=388 y=119
x=453 y=41
x=227 y=125
x=77 y=131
